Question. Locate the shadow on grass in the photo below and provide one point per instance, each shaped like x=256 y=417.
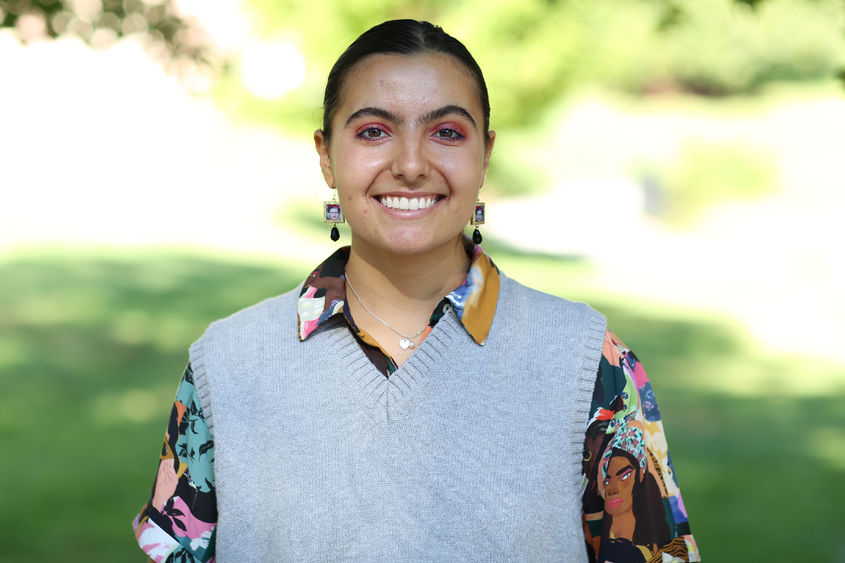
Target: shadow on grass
x=93 y=348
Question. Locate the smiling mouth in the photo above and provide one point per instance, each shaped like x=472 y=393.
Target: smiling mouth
x=408 y=203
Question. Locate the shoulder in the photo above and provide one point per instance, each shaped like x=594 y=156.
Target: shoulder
x=231 y=343
x=555 y=327
x=274 y=311
x=272 y=318
x=540 y=306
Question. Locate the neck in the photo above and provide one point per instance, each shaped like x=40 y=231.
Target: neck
x=623 y=525
x=406 y=279
x=401 y=289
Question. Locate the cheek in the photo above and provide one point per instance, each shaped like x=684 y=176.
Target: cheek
x=466 y=172
x=357 y=166
x=356 y=205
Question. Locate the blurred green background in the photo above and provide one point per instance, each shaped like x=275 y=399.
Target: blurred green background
x=136 y=214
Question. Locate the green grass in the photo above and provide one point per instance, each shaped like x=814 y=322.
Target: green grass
x=92 y=346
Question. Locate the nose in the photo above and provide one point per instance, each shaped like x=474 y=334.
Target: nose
x=410 y=162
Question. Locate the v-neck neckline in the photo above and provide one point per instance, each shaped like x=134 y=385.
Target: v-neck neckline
x=394 y=398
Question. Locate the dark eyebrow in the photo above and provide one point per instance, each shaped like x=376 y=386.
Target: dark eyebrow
x=370 y=111
x=446 y=110
x=624 y=469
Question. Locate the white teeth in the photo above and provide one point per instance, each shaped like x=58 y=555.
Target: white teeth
x=405 y=203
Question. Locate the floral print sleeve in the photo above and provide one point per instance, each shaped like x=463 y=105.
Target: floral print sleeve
x=178 y=522
x=633 y=511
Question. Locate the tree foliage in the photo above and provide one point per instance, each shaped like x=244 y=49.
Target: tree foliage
x=534 y=51
x=100 y=22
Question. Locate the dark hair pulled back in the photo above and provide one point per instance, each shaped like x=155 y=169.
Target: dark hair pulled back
x=402 y=37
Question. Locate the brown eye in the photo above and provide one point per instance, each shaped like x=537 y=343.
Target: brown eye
x=372 y=134
x=449 y=134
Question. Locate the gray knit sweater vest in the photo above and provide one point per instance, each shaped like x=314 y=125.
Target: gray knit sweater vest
x=466 y=453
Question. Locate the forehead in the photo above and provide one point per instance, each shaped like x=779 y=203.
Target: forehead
x=409 y=84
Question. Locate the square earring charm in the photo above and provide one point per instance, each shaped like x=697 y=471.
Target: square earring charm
x=332 y=213
x=478 y=214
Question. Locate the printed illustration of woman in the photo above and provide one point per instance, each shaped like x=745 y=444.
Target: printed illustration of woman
x=633 y=505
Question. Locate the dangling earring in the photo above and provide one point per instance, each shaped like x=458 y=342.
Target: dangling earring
x=332 y=213
x=477 y=219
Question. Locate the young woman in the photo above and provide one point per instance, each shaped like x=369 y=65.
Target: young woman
x=408 y=401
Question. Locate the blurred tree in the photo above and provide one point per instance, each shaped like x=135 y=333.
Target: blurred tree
x=535 y=51
x=162 y=30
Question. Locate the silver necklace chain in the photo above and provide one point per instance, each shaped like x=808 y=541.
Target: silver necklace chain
x=405 y=342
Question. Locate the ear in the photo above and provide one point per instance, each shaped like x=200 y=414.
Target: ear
x=321 y=143
x=489 y=151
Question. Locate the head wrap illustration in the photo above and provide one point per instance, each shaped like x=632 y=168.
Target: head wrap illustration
x=633 y=503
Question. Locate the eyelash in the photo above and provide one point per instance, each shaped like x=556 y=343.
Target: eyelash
x=452 y=134
x=363 y=133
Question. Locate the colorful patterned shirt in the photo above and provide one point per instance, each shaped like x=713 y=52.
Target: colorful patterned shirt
x=632 y=507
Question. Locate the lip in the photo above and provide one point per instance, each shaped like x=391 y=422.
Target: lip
x=614 y=503
x=408 y=194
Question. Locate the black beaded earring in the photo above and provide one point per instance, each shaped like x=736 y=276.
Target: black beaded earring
x=333 y=213
x=477 y=219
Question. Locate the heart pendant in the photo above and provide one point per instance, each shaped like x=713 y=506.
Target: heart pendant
x=406 y=343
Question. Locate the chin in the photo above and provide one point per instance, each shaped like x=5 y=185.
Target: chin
x=407 y=248
x=414 y=243
x=405 y=241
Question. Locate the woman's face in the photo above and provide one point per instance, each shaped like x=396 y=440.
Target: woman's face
x=407 y=152
x=619 y=486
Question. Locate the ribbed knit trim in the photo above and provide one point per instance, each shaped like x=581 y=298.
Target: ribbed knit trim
x=198 y=365
x=394 y=398
x=585 y=385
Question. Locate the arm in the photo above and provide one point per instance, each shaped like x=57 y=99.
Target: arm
x=180 y=517
x=632 y=506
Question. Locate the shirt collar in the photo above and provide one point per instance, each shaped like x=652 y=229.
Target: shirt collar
x=323 y=294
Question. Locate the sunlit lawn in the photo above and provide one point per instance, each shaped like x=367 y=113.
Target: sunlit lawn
x=92 y=346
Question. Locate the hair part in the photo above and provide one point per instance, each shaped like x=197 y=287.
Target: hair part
x=400 y=37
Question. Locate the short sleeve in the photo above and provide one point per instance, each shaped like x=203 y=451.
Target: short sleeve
x=632 y=506
x=178 y=522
